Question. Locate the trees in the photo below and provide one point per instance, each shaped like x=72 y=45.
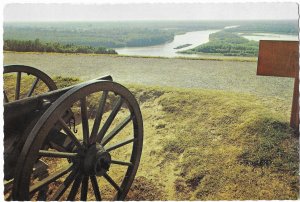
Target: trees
x=38 y=46
x=227 y=44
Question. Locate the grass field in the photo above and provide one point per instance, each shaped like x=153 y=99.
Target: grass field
x=219 y=133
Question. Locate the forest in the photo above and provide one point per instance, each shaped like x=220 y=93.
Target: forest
x=37 y=46
x=275 y=26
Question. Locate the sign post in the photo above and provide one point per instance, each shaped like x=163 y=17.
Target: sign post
x=281 y=58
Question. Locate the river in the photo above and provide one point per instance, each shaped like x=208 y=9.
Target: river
x=195 y=38
x=270 y=36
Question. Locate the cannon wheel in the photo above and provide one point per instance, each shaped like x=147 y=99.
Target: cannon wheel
x=21 y=69
x=91 y=160
x=28 y=74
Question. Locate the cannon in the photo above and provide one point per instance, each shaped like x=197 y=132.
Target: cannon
x=81 y=142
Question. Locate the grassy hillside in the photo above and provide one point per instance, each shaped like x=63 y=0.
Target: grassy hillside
x=213 y=145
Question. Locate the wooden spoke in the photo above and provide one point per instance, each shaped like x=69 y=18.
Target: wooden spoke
x=110 y=119
x=112 y=182
x=5 y=97
x=96 y=188
x=98 y=117
x=75 y=187
x=55 y=154
x=116 y=130
x=69 y=132
x=64 y=186
x=50 y=179
x=120 y=144
x=8 y=198
x=85 y=122
x=122 y=163
x=18 y=85
x=8 y=185
x=33 y=86
x=84 y=188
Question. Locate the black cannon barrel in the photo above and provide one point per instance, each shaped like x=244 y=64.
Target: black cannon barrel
x=25 y=106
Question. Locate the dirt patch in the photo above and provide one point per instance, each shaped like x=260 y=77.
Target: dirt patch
x=144 y=189
x=148 y=96
x=194 y=182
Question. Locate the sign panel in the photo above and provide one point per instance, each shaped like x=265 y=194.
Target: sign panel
x=278 y=58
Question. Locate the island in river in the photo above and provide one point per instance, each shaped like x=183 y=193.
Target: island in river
x=183 y=46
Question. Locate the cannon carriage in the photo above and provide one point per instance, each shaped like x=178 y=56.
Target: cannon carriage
x=81 y=142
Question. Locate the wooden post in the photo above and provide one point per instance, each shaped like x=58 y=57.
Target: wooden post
x=281 y=58
x=294 y=122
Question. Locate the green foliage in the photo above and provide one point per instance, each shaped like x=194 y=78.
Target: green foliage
x=275 y=26
x=37 y=46
x=227 y=44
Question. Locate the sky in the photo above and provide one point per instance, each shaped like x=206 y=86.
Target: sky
x=149 y=11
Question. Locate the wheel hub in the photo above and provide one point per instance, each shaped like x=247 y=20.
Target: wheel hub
x=97 y=161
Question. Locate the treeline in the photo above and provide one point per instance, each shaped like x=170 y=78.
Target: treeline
x=227 y=44
x=37 y=46
x=114 y=37
x=275 y=26
x=146 y=39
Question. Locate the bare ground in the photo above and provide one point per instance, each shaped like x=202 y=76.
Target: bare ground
x=206 y=74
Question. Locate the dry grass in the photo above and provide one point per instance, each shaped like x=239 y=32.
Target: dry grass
x=214 y=145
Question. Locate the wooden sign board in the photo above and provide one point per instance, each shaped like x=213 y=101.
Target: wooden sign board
x=281 y=58
x=278 y=58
